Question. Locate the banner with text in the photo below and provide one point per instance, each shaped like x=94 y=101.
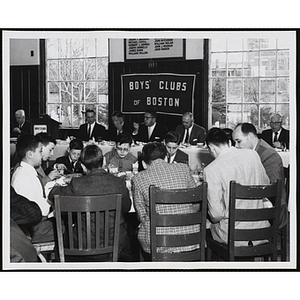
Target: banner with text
x=163 y=92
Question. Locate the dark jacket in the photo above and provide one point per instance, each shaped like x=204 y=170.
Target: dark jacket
x=158 y=134
x=99 y=132
x=284 y=137
x=197 y=135
x=70 y=169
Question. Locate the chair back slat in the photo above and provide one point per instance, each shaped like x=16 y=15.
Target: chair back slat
x=85 y=225
x=255 y=214
x=253 y=234
x=194 y=223
x=269 y=216
x=178 y=220
x=181 y=256
x=106 y=228
x=79 y=230
x=70 y=229
x=178 y=240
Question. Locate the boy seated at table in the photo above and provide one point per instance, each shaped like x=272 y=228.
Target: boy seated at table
x=174 y=154
x=70 y=163
x=120 y=157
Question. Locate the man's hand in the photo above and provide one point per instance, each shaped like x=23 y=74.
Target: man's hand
x=17 y=130
x=136 y=127
x=54 y=174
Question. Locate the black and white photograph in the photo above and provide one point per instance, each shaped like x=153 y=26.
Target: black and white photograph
x=149 y=149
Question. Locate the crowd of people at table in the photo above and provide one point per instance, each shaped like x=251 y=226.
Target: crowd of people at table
x=238 y=154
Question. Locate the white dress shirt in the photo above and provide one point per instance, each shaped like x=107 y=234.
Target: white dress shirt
x=92 y=128
x=150 y=130
x=190 y=130
x=26 y=183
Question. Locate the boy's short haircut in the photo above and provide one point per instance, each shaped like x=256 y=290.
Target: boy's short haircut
x=92 y=157
x=45 y=138
x=25 y=143
x=172 y=137
x=124 y=138
x=153 y=151
x=76 y=144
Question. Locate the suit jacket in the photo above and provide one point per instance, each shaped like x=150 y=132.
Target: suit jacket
x=26 y=128
x=158 y=134
x=98 y=182
x=197 y=135
x=181 y=157
x=243 y=166
x=166 y=176
x=272 y=163
x=66 y=161
x=284 y=137
x=112 y=134
x=99 y=131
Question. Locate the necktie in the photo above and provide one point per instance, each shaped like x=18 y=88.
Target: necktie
x=187 y=137
x=89 y=130
x=169 y=158
x=276 y=137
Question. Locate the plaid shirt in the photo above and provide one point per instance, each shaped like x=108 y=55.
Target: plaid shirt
x=165 y=176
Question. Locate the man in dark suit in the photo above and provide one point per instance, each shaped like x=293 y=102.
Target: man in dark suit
x=91 y=129
x=23 y=126
x=97 y=182
x=190 y=133
x=174 y=154
x=150 y=130
x=245 y=136
x=277 y=136
x=120 y=126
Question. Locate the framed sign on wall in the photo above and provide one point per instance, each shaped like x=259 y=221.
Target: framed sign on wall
x=166 y=93
x=146 y=48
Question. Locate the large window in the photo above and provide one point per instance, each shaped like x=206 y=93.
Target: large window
x=249 y=80
x=77 y=80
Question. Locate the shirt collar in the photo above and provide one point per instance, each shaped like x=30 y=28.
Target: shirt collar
x=28 y=167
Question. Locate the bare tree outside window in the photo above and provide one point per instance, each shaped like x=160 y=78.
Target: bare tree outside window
x=249 y=80
x=77 y=79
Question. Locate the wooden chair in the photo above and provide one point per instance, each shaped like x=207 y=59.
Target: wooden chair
x=87 y=219
x=45 y=251
x=159 y=196
x=231 y=252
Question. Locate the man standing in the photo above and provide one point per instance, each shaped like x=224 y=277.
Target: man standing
x=97 y=182
x=23 y=126
x=245 y=168
x=91 y=129
x=277 y=136
x=166 y=176
x=245 y=137
x=150 y=131
x=190 y=133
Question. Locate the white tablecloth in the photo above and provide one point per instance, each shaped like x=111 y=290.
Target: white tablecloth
x=285 y=156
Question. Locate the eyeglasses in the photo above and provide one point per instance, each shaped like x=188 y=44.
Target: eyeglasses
x=275 y=123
